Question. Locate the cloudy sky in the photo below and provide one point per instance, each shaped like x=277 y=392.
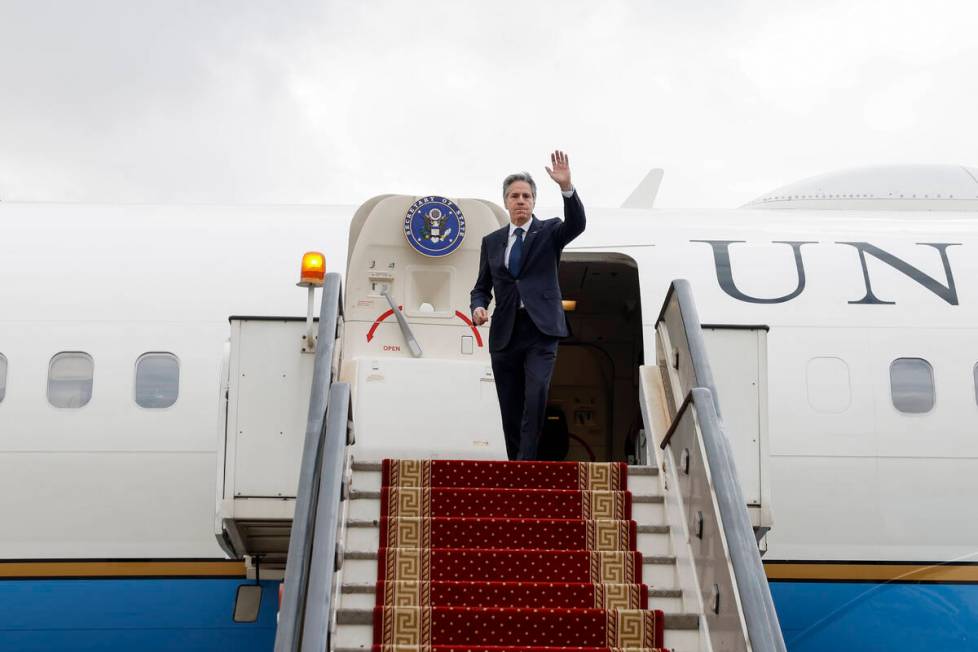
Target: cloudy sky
x=296 y=101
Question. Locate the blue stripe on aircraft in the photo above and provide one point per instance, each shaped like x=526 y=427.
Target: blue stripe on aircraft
x=150 y=615
x=157 y=615
x=820 y=616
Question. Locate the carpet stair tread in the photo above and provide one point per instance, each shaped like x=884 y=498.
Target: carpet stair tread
x=459 y=474
x=475 y=564
x=640 y=529
x=636 y=498
x=509 y=503
x=645 y=559
x=362 y=588
x=513 y=594
x=518 y=626
x=508 y=533
x=367 y=466
x=496 y=648
x=672 y=621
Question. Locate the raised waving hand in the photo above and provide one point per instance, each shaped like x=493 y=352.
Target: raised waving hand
x=560 y=172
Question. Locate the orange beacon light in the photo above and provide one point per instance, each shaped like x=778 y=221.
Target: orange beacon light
x=313 y=270
x=311 y=276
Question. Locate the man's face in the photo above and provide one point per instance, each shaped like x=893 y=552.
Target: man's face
x=519 y=202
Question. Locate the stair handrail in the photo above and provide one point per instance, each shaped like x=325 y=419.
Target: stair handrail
x=760 y=617
x=325 y=555
x=291 y=612
x=692 y=329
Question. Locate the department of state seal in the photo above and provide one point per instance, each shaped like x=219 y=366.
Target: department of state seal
x=434 y=226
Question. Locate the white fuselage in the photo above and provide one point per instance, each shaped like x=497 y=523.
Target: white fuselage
x=851 y=476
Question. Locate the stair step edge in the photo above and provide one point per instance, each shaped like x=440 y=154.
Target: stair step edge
x=643 y=470
x=366 y=617
x=368 y=555
x=361 y=494
x=367 y=466
x=640 y=529
x=369 y=588
x=379 y=466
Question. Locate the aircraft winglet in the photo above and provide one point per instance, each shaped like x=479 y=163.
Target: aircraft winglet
x=644 y=194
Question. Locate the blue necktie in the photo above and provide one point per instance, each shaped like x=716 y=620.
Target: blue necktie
x=516 y=253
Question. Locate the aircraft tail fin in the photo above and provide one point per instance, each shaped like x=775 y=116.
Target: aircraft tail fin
x=644 y=194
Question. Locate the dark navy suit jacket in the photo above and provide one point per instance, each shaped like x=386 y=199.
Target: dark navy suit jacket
x=537 y=284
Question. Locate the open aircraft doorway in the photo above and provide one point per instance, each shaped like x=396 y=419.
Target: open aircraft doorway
x=593 y=408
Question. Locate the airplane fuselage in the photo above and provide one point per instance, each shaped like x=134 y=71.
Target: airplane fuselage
x=845 y=294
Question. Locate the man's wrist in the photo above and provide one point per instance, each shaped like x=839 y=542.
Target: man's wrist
x=567 y=192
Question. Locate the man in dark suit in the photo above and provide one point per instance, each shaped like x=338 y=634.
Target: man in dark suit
x=518 y=265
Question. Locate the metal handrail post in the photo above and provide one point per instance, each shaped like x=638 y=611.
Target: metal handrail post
x=289 y=632
x=319 y=595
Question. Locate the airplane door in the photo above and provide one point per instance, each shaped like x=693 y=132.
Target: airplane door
x=420 y=372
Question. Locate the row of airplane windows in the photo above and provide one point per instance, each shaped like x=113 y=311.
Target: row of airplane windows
x=71 y=375
x=912 y=386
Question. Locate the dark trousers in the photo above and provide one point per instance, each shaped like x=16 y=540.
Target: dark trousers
x=522 y=372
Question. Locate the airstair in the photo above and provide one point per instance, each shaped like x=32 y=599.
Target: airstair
x=399 y=488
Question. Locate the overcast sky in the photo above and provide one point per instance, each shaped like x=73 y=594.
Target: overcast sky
x=230 y=101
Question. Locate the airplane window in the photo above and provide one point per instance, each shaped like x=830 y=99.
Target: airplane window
x=3 y=376
x=157 y=380
x=912 y=385
x=829 y=388
x=70 y=377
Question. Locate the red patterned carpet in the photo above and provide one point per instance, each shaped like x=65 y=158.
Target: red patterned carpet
x=500 y=648
x=570 y=595
x=506 y=556
x=510 y=503
x=458 y=474
x=507 y=533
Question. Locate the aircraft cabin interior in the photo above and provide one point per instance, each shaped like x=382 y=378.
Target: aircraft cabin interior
x=592 y=412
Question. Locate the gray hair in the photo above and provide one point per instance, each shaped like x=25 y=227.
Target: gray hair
x=519 y=176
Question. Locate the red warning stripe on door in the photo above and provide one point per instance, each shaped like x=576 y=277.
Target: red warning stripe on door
x=383 y=316
x=461 y=315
